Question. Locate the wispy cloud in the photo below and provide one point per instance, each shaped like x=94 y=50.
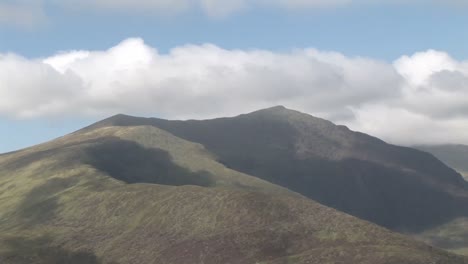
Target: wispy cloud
x=421 y=98
x=29 y=12
x=212 y=8
x=24 y=14
x=222 y=8
x=161 y=7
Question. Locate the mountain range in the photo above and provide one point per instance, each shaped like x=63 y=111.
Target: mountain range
x=272 y=186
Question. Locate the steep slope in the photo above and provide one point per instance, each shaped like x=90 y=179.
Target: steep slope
x=456 y=156
x=396 y=187
x=142 y=195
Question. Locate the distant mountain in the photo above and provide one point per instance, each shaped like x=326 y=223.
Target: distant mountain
x=453 y=234
x=139 y=194
x=456 y=156
x=400 y=188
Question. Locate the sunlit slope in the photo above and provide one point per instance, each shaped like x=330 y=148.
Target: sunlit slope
x=142 y=195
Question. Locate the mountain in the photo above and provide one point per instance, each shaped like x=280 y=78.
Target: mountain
x=140 y=194
x=399 y=188
x=456 y=156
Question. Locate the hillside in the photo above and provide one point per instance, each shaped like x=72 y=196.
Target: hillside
x=400 y=188
x=143 y=195
x=456 y=156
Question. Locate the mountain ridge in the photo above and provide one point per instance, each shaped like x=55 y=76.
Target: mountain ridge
x=299 y=151
x=64 y=202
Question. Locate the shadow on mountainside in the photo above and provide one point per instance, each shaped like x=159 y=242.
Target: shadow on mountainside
x=131 y=163
x=121 y=159
x=405 y=191
x=383 y=195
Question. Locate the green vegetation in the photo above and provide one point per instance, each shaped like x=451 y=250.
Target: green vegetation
x=139 y=194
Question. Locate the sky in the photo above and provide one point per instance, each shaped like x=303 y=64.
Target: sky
x=397 y=70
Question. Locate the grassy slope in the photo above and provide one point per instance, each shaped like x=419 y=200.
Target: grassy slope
x=452 y=236
x=56 y=207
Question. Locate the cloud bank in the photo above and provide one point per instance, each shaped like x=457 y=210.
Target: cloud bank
x=418 y=99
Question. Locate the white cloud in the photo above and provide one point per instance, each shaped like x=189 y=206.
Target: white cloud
x=404 y=127
x=433 y=107
x=418 y=99
x=422 y=65
x=31 y=88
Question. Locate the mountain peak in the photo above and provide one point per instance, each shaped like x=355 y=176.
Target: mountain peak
x=283 y=114
x=279 y=111
x=277 y=108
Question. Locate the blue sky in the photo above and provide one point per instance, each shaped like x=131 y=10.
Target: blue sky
x=378 y=31
x=382 y=32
